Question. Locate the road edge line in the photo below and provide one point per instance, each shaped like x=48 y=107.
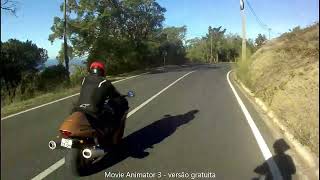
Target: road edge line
x=64 y=98
x=302 y=153
x=59 y=163
x=256 y=133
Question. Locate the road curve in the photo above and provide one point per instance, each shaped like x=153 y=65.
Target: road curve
x=194 y=126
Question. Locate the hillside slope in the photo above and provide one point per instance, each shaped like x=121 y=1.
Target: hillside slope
x=285 y=74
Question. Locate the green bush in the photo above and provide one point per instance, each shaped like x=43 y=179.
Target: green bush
x=52 y=77
x=26 y=89
x=77 y=76
x=242 y=69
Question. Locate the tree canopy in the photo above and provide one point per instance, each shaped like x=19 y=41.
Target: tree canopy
x=20 y=58
x=60 y=56
x=118 y=32
x=216 y=46
x=9 y=5
x=19 y=67
x=260 y=40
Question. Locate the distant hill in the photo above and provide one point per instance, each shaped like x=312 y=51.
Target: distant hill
x=76 y=61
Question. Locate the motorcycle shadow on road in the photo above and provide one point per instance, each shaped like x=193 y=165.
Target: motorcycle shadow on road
x=284 y=162
x=136 y=143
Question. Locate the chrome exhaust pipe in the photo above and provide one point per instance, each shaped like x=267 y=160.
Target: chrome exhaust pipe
x=92 y=153
x=53 y=144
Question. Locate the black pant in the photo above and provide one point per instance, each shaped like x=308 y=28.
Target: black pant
x=110 y=117
x=119 y=107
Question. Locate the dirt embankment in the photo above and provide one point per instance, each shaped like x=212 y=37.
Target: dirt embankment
x=285 y=74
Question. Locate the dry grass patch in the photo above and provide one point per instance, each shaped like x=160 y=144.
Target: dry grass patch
x=284 y=73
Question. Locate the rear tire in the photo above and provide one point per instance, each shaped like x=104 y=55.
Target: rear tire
x=76 y=163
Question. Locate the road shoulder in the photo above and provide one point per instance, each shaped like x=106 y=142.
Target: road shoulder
x=306 y=162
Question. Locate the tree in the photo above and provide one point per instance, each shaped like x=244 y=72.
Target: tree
x=175 y=33
x=51 y=77
x=197 y=50
x=120 y=31
x=215 y=36
x=172 y=44
x=60 y=31
x=215 y=46
x=10 y=6
x=260 y=40
x=210 y=47
x=60 y=56
x=19 y=59
x=295 y=29
x=141 y=18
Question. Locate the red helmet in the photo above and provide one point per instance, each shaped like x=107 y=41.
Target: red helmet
x=97 y=67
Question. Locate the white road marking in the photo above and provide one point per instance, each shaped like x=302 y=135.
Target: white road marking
x=129 y=77
x=58 y=164
x=21 y=112
x=261 y=142
x=49 y=170
x=154 y=96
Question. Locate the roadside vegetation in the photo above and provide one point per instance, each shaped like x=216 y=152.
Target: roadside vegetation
x=127 y=35
x=284 y=74
x=216 y=46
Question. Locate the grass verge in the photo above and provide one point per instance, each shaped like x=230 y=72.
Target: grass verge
x=284 y=75
x=40 y=99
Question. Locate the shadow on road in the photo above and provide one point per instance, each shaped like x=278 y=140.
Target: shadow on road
x=167 y=69
x=136 y=143
x=284 y=162
x=213 y=67
x=188 y=67
x=180 y=68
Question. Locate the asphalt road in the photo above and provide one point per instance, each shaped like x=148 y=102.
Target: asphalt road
x=194 y=126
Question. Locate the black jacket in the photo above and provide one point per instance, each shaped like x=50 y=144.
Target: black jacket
x=94 y=91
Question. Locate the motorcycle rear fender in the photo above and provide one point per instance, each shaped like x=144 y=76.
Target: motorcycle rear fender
x=78 y=124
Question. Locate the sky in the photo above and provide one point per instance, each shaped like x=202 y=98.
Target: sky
x=35 y=17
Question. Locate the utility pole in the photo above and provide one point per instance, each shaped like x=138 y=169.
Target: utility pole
x=164 y=59
x=269 y=32
x=165 y=54
x=66 y=58
x=243 y=31
x=210 y=47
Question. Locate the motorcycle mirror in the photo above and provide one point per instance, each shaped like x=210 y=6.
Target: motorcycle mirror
x=130 y=93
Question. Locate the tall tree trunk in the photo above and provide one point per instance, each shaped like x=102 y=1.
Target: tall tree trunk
x=217 y=58
x=66 y=58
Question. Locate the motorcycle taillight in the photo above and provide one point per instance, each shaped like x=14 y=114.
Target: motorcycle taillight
x=65 y=133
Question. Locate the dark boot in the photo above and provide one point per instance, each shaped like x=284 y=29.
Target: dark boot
x=118 y=134
x=104 y=139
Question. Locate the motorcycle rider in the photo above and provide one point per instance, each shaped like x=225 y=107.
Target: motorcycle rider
x=95 y=90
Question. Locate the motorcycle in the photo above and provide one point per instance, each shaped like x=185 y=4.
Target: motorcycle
x=82 y=142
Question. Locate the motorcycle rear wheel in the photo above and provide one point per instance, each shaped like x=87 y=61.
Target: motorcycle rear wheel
x=76 y=163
